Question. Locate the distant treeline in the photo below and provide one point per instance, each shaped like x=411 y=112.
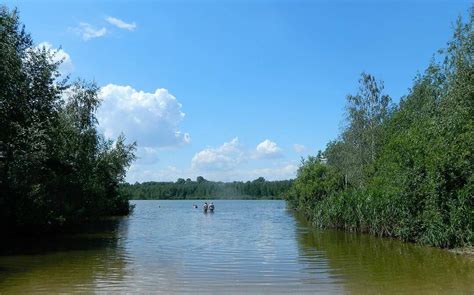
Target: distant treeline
x=406 y=170
x=55 y=167
x=204 y=189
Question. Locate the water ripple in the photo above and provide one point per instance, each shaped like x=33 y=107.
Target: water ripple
x=244 y=247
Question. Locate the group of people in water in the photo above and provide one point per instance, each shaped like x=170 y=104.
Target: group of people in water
x=206 y=207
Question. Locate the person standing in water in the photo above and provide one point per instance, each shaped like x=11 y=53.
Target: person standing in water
x=205 y=207
x=211 y=206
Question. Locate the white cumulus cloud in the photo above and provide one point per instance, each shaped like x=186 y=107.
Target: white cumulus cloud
x=286 y=171
x=150 y=118
x=299 y=148
x=268 y=149
x=242 y=172
x=59 y=55
x=142 y=173
x=226 y=157
x=231 y=161
x=147 y=155
x=121 y=24
x=87 y=31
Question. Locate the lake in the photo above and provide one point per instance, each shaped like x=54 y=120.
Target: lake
x=243 y=247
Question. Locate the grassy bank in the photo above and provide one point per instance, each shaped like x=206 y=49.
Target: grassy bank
x=402 y=170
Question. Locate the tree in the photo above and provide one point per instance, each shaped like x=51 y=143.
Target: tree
x=200 y=179
x=56 y=168
x=366 y=111
x=408 y=171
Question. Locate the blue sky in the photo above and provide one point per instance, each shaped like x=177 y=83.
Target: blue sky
x=233 y=90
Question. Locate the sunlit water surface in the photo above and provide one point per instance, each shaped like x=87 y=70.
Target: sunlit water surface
x=244 y=247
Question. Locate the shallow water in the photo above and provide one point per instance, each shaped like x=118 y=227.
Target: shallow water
x=245 y=246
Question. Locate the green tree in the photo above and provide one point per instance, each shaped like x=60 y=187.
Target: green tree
x=408 y=171
x=55 y=167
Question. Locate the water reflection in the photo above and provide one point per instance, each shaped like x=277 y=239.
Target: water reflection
x=244 y=247
x=368 y=264
x=81 y=261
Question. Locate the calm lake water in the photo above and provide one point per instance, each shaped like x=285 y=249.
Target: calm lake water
x=243 y=247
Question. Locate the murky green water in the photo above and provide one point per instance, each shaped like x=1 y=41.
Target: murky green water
x=244 y=247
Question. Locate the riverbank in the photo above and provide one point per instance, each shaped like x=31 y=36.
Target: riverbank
x=465 y=251
x=402 y=170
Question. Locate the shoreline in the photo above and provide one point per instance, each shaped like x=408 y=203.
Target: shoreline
x=463 y=251
x=466 y=251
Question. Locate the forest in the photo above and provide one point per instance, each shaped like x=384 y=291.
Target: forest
x=56 y=169
x=403 y=170
x=204 y=189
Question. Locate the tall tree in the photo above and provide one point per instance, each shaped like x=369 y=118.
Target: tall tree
x=359 y=143
x=55 y=166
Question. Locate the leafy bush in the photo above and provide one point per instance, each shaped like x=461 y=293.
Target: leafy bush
x=407 y=171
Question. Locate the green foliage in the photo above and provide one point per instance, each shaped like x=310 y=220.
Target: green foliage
x=314 y=183
x=56 y=169
x=407 y=171
x=202 y=188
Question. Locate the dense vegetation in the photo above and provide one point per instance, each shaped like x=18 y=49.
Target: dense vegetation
x=55 y=168
x=202 y=188
x=406 y=170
